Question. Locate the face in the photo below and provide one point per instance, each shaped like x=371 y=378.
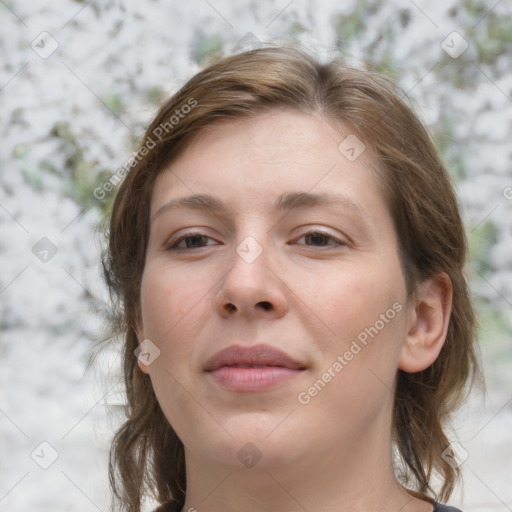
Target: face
x=278 y=307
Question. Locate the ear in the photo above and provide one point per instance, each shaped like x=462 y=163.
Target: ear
x=141 y=338
x=428 y=324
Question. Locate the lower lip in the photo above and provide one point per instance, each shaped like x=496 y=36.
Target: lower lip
x=252 y=379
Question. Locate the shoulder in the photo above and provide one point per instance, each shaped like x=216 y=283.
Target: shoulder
x=445 y=508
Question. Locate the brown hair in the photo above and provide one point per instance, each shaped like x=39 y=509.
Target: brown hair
x=146 y=454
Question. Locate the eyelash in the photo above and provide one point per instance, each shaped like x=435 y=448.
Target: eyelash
x=173 y=246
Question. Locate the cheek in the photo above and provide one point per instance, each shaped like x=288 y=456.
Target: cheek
x=354 y=300
x=355 y=381
x=173 y=311
x=364 y=309
x=173 y=307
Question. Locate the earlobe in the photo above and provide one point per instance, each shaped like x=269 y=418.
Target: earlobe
x=144 y=368
x=140 y=336
x=428 y=324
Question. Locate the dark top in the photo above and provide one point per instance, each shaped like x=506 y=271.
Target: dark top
x=174 y=506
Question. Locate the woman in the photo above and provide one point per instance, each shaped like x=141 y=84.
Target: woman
x=288 y=254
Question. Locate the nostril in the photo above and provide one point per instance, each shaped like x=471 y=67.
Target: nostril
x=266 y=305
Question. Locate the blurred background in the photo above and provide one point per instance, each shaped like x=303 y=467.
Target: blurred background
x=78 y=83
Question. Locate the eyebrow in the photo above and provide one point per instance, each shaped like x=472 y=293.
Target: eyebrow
x=285 y=202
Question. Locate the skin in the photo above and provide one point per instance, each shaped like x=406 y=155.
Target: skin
x=307 y=296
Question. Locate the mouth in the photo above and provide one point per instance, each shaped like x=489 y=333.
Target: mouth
x=254 y=368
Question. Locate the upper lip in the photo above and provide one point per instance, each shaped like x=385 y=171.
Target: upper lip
x=255 y=355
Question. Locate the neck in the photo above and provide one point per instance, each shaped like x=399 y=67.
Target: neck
x=354 y=478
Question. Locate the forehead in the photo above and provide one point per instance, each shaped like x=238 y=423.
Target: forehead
x=259 y=158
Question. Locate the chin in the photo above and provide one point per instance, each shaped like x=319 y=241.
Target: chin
x=258 y=440
x=246 y=452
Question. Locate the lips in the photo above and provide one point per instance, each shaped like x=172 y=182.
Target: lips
x=252 y=369
x=257 y=356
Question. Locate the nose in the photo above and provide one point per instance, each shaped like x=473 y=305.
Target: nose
x=252 y=286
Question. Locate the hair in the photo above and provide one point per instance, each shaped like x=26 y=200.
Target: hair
x=147 y=457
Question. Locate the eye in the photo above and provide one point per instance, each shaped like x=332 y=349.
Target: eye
x=197 y=240
x=192 y=240
x=318 y=239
